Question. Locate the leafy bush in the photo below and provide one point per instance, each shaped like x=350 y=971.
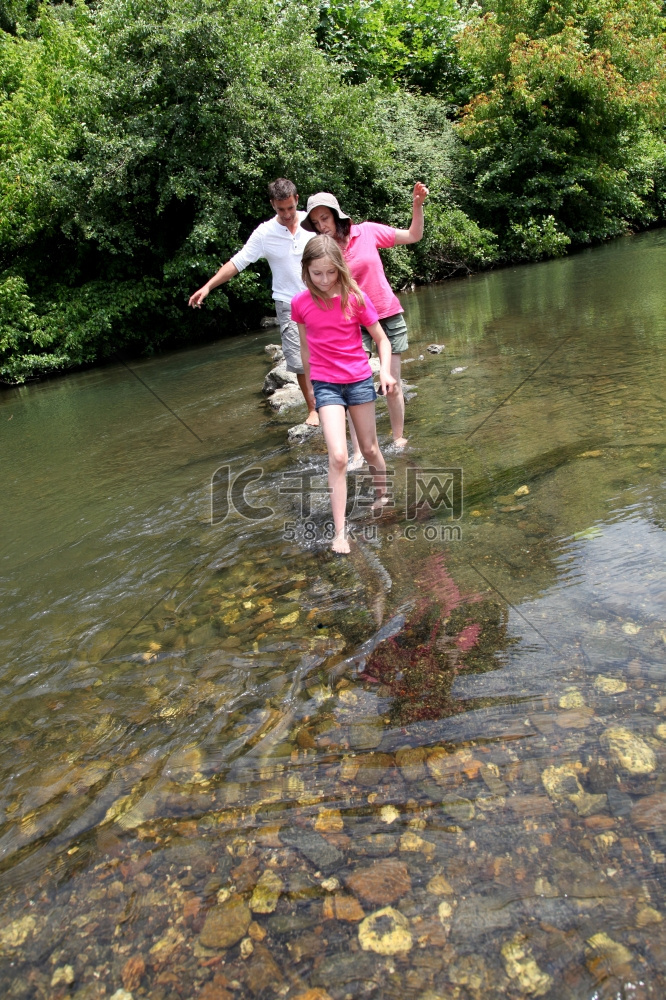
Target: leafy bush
x=137 y=141
x=563 y=130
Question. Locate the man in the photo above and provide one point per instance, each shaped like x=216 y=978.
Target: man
x=281 y=241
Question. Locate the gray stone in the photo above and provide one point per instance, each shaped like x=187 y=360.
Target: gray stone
x=314 y=847
x=284 y=399
x=435 y=348
x=479 y=915
x=278 y=378
x=301 y=432
x=267 y=321
x=345 y=968
x=291 y=923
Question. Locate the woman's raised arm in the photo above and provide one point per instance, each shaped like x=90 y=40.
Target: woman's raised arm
x=415 y=231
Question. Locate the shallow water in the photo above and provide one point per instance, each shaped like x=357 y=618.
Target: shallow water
x=213 y=734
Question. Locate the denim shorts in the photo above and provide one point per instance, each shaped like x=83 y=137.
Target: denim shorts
x=344 y=393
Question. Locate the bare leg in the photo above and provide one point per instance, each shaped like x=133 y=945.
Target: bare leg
x=396 y=405
x=357 y=458
x=306 y=389
x=366 y=429
x=335 y=436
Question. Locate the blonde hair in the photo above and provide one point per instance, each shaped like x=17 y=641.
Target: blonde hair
x=325 y=246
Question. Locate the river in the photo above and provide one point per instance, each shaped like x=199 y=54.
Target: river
x=235 y=765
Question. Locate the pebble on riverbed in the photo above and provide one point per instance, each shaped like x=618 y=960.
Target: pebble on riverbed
x=385 y=932
x=629 y=751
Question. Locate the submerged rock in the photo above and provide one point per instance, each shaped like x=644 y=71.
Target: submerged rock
x=385 y=932
x=266 y=893
x=629 y=751
x=609 y=685
x=521 y=965
x=226 y=924
x=411 y=762
x=562 y=785
x=16 y=933
x=649 y=813
x=605 y=955
x=63 y=976
x=314 y=847
x=382 y=882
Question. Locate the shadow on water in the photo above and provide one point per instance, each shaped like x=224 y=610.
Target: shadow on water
x=237 y=766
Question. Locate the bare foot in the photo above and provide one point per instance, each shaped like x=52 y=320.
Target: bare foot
x=313 y=418
x=340 y=544
x=355 y=463
x=400 y=444
x=379 y=504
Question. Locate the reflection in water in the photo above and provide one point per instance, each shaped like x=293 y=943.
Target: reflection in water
x=236 y=766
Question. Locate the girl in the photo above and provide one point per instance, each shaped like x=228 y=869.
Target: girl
x=329 y=316
x=359 y=245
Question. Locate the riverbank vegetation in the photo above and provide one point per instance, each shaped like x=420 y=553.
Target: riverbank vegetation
x=137 y=138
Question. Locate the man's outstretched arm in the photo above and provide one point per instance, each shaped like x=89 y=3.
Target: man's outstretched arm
x=226 y=272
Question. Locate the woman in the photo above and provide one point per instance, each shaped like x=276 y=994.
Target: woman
x=329 y=316
x=359 y=245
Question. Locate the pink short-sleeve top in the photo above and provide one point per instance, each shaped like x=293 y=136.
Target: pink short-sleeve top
x=334 y=339
x=366 y=265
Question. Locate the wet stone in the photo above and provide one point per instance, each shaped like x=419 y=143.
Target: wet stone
x=385 y=932
x=292 y=923
x=619 y=802
x=521 y=965
x=343 y=907
x=345 y=969
x=649 y=813
x=605 y=955
x=372 y=768
x=366 y=735
x=314 y=847
x=266 y=893
x=411 y=762
x=226 y=924
x=629 y=751
x=469 y=971
x=480 y=915
x=381 y=883
x=262 y=971
x=132 y=972
x=458 y=810
x=377 y=845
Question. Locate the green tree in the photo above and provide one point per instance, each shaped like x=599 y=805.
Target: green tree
x=136 y=141
x=563 y=132
x=397 y=42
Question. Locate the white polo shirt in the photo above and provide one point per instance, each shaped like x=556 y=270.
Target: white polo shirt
x=283 y=251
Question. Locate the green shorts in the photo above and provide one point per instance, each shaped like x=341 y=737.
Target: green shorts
x=395 y=329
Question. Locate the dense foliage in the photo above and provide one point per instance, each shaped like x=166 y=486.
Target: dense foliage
x=137 y=138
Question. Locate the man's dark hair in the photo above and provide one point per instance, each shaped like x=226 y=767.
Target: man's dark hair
x=281 y=189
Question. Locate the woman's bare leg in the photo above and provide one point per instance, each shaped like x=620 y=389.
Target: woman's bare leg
x=363 y=417
x=396 y=405
x=356 y=460
x=332 y=419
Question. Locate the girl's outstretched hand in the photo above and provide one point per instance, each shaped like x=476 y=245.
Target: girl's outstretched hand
x=421 y=192
x=386 y=382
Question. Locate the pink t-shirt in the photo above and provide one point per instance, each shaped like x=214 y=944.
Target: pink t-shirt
x=334 y=340
x=366 y=265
